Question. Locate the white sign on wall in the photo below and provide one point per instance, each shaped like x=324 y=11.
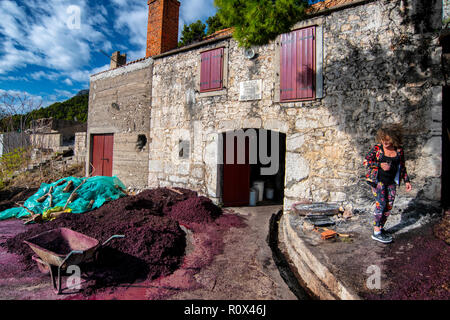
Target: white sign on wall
x=250 y=90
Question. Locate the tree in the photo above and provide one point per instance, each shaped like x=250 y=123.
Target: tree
x=76 y=108
x=192 y=33
x=256 y=22
x=15 y=110
x=215 y=24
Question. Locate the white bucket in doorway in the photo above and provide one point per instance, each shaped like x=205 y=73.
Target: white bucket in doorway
x=259 y=185
x=253 y=197
x=270 y=193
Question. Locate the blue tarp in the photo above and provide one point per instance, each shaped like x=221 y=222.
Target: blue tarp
x=100 y=189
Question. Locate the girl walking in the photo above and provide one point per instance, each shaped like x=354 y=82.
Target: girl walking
x=386 y=164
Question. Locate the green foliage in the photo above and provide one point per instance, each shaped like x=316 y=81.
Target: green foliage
x=74 y=108
x=192 y=33
x=257 y=22
x=215 y=24
x=11 y=162
x=196 y=31
x=446 y=21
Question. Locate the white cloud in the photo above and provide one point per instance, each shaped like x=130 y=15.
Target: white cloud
x=44 y=75
x=13 y=101
x=13 y=78
x=68 y=82
x=36 y=32
x=131 y=20
x=64 y=93
x=193 y=10
x=83 y=75
x=40 y=34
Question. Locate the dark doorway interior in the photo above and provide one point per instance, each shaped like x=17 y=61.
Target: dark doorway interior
x=238 y=179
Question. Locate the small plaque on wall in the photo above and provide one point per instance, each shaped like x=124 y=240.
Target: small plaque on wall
x=250 y=90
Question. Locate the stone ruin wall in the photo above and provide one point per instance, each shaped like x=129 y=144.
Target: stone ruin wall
x=119 y=103
x=446 y=10
x=381 y=64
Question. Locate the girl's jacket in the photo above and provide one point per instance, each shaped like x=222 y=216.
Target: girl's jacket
x=372 y=163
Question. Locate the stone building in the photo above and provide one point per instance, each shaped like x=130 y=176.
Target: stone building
x=320 y=91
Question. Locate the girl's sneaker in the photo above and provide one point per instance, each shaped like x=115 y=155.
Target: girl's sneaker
x=382 y=237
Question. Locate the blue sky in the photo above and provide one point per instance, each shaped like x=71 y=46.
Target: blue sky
x=50 y=47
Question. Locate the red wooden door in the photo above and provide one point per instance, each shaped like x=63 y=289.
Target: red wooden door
x=102 y=154
x=236 y=178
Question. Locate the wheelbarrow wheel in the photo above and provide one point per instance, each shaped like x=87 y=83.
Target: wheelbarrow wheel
x=43 y=268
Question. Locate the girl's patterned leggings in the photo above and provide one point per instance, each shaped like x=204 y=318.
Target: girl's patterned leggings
x=384 y=196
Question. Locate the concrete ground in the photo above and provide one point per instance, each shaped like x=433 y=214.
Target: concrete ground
x=414 y=266
x=245 y=270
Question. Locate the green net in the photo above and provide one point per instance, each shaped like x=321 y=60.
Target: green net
x=92 y=194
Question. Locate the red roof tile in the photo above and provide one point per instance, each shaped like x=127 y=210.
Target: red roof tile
x=328 y=4
x=220 y=33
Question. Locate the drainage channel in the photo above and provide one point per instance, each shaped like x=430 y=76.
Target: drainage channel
x=290 y=278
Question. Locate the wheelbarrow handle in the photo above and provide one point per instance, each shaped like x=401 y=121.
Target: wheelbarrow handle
x=113 y=237
x=70 y=254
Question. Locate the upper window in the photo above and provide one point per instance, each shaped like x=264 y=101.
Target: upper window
x=211 y=74
x=298 y=65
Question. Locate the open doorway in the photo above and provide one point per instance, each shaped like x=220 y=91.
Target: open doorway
x=258 y=178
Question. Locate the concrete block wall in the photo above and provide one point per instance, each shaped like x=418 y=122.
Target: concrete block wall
x=119 y=104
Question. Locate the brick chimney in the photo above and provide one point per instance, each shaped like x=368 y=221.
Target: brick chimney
x=118 y=60
x=162 y=29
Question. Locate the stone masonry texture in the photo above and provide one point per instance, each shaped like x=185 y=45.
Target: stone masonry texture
x=380 y=64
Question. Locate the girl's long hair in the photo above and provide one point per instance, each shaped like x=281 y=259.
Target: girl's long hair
x=393 y=131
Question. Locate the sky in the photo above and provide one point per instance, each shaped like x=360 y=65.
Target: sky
x=49 y=48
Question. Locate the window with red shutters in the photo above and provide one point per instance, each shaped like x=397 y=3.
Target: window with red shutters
x=211 y=74
x=297 y=69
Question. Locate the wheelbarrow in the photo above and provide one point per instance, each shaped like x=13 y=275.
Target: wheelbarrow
x=59 y=248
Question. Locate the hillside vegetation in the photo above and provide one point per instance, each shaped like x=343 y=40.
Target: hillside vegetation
x=75 y=108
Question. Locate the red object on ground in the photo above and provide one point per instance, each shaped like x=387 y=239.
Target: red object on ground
x=195 y=210
x=154 y=244
x=420 y=270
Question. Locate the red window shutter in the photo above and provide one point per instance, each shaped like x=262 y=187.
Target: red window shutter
x=211 y=73
x=305 y=63
x=205 y=71
x=297 y=70
x=216 y=69
x=287 y=66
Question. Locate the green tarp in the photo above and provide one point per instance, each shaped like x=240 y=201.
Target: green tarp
x=100 y=189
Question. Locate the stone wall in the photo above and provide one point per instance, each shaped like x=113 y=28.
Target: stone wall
x=119 y=103
x=80 y=147
x=446 y=10
x=50 y=141
x=381 y=63
x=12 y=140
